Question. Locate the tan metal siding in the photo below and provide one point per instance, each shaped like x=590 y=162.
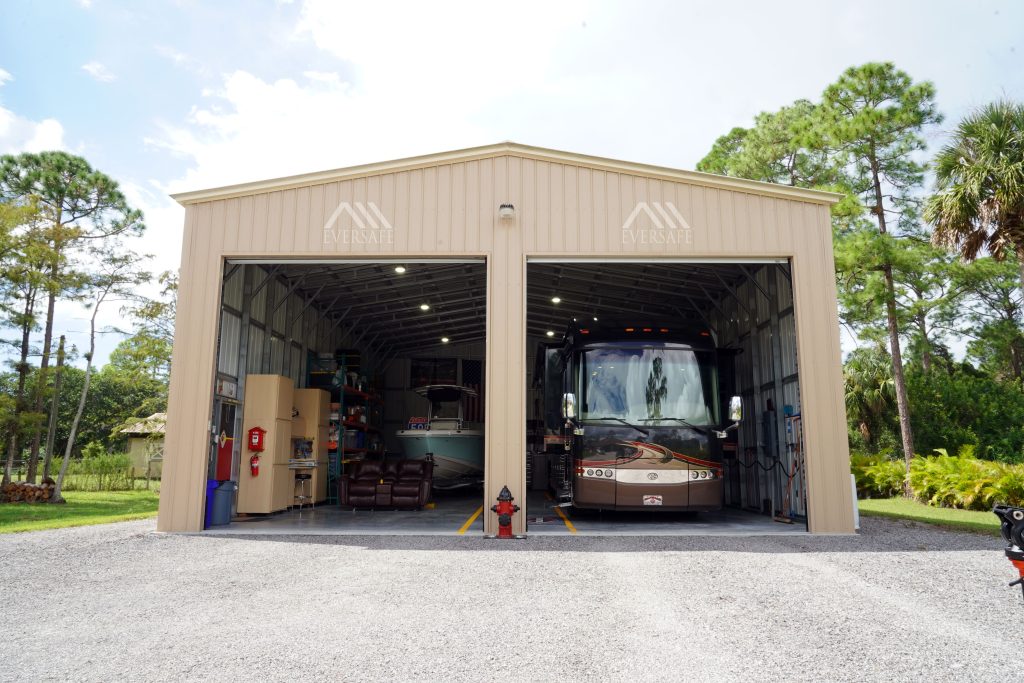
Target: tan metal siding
x=563 y=209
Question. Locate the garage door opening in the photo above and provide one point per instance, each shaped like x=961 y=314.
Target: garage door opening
x=632 y=425
x=349 y=397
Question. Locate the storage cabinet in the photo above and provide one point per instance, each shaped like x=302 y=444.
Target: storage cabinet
x=311 y=424
x=268 y=405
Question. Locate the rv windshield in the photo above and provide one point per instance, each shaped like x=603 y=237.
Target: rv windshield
x=650 y=386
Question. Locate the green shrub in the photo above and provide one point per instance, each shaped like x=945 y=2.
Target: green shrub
x=942 y=480
x=877 y=476
x=99 y=471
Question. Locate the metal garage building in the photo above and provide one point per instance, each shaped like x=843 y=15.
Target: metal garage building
x=277 y=270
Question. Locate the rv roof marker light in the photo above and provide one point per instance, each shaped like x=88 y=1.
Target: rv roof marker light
x=705 y=333
x=444 y=340
x=399 y=269
x=629 y=329
x=584 y=331
x=424 y=307
x=663 y=329
x=550 y=333
x=556 y=300
x=647 y=329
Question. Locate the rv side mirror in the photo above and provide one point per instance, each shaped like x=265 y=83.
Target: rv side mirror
x=735 y=409
x=568 y=406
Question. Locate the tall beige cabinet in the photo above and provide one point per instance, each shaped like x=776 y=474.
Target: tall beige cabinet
x=311 y=424
x=268 y=405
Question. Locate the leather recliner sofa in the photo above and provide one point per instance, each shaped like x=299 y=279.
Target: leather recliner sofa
x=402 y=484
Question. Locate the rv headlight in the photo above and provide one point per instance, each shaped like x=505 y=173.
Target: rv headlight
x=694 y=474
x=590 y=473
x=599 y=473
x=704 y=474
x=608 y=473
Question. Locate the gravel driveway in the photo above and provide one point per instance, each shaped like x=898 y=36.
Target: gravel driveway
x=119 y=602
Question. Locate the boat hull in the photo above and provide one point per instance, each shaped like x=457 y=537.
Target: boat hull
x=458 y=454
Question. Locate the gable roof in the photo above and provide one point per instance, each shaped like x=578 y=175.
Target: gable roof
x=154 y=424
x=509 y=149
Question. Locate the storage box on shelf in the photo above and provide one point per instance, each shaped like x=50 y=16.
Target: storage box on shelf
x=354 y=413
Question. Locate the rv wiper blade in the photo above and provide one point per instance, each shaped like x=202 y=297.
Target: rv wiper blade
x=619 y=419
x=699 y=430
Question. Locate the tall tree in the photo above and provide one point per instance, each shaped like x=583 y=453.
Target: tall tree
x=868 y=385
x=23 y=284
x=81 y=206
x=116 y=280
x=990 y=314
x=979 y=200
x=873 y=116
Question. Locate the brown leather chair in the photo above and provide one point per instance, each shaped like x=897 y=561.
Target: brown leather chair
x=359 y=487
x=412 y=487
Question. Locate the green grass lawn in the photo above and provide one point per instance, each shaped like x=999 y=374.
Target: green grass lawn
x=902 y=508
x=82 y=508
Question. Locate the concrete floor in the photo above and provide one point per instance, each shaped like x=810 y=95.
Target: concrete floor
x=462 y=514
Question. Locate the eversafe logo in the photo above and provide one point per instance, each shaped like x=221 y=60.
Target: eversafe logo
x=368 y=225
x=656 y=223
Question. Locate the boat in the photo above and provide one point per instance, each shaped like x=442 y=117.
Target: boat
x=455 y=445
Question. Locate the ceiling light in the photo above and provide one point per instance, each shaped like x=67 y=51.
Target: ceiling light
x=399 y=269
x=556 y=300
x=444 y=340
x=550 y=333
x=424 y=307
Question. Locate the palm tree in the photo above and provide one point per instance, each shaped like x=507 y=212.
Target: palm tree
x=979 y=200
x=869 y=388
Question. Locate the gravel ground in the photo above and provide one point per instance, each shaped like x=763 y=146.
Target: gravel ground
x=119 y=602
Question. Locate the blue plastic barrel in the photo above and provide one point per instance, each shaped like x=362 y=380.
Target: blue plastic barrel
x=211 y=486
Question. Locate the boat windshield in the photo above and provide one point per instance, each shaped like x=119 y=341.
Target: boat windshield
x=649 y=386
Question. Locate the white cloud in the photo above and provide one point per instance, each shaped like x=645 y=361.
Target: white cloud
x=19 y=134
x=98 y=71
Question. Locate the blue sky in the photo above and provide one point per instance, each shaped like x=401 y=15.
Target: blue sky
x=167 y=96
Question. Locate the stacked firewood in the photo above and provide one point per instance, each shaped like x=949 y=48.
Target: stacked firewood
x=20 y=492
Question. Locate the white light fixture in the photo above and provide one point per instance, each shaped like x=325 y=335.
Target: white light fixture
x=556 y=299
x=444 y=340
x=399 y=269
x=506 y=211
x=550 y=333
x=424 y=307
x=595 y=318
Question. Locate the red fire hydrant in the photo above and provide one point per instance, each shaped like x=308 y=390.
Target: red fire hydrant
x=505 y=509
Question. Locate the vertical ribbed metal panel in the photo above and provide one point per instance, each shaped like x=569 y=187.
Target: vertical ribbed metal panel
x=233 y=289
x=258 y=305
x=255 y=360
x=230 y=332
x=281 y=314
x=276 y=355
x=787 y=334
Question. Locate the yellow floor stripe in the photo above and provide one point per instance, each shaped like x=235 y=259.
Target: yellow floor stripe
x=568 y=524
x=469 y=522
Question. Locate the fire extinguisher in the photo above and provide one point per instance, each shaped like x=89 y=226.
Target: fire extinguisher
x=254 y=465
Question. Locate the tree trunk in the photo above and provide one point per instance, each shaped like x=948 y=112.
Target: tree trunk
x=57 y=497
x=899 y=380
x=51 y=430
x=44 y=366
x=19 y=396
